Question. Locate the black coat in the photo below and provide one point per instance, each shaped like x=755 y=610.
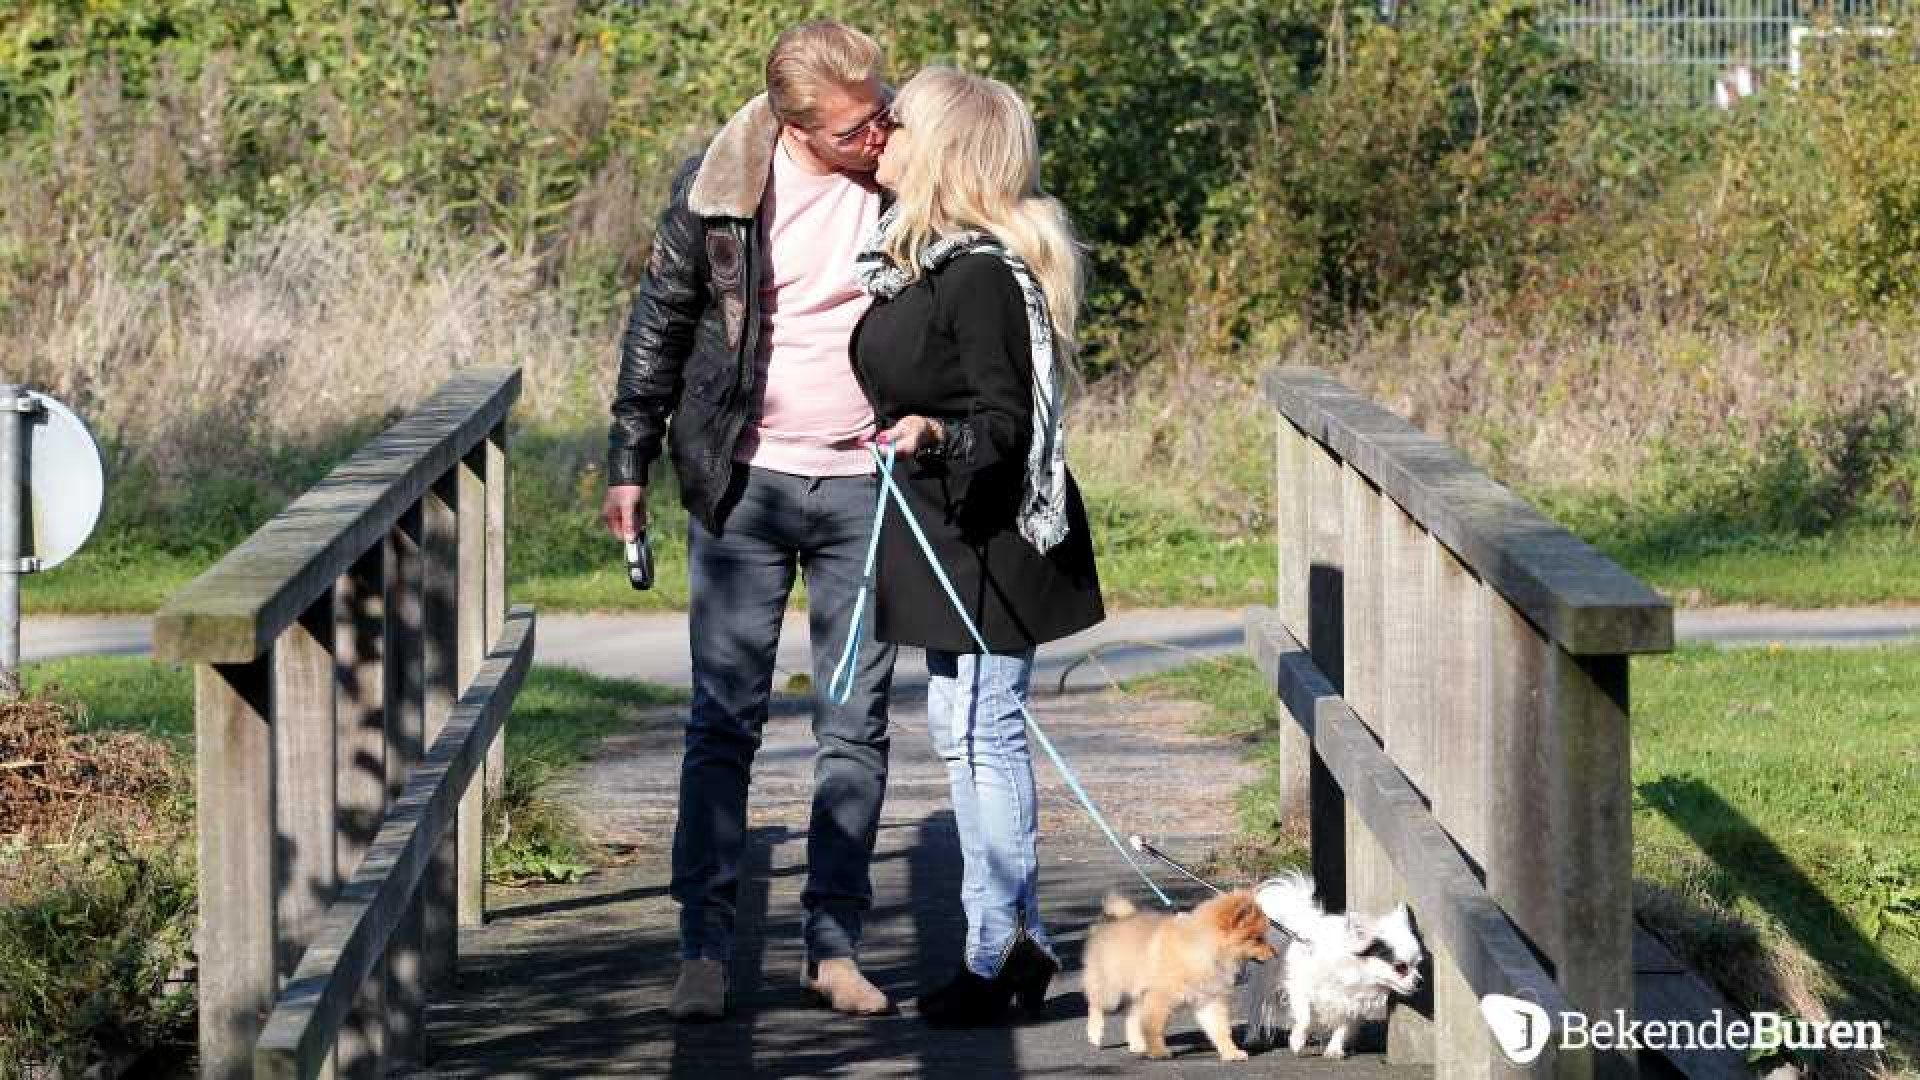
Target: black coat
x=686 y=353
x=954 y=346
x=693 y=332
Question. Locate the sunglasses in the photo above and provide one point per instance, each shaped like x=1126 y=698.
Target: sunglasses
x=883 y=120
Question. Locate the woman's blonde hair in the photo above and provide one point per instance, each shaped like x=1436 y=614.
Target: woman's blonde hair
x=812 y=57
x=973 y=162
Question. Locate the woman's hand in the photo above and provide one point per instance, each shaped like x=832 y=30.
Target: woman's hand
x=913 y=435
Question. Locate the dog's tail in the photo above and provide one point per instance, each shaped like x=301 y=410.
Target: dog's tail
x=1116 y=906
x=1288 y=900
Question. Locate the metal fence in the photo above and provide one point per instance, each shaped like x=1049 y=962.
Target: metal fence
x=1677 y=52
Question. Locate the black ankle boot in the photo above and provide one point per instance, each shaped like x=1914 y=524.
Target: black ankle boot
x=1028 y=970
x=967 y=1000
x=970 y=1000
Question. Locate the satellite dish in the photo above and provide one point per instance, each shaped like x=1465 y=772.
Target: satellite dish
x=65 y=483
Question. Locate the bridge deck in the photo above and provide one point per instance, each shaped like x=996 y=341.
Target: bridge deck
x=572 y=981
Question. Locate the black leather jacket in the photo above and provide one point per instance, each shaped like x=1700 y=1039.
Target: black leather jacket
x=688 y=353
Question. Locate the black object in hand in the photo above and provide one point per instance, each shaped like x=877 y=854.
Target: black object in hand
x=640 y=562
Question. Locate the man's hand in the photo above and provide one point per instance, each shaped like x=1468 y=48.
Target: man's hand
x=625 y=511
x=912 y=436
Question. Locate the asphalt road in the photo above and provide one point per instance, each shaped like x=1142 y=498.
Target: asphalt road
x=1128 y=644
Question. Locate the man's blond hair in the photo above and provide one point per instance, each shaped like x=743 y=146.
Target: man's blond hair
x=812 y=58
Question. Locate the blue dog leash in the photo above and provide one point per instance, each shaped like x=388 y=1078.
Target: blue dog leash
x=840 y=687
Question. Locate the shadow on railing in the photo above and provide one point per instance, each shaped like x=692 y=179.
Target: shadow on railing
x=1455 y=669
x=354 y=665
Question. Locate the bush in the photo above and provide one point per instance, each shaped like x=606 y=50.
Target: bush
x=1411 y=154
x=97 y=897
x=1822 y=185
x=86 y=959
x=1798 y=207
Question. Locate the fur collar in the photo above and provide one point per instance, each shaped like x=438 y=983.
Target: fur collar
x=733 y=174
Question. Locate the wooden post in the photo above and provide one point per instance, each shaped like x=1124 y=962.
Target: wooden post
x=1369 y=877
x=360 y=605
x=496 y=604
x=1560 y=857
x=1464 y=725
x=1521 y=827
x=1326 y=631
x=406 y=692
x=1591 y=786
x=471 y=582
x=440 y=558
x=305 y=797
x=1407 y=725
x=233 y=760
x=306 y=782
x=1293 y=514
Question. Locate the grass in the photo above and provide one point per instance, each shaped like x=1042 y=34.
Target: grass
x=559 y=716
x=81 y=953
x=1707 y=560
x=1155 y=547
x=1775 y=833
x=1773 y=791
x=120 y=580
x=120 y=693
x=1239 y=706
x=1855 y=565
x=1150 y=553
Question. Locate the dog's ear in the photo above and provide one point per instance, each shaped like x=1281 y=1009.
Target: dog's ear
x=1250 y=921
x=1359 y=935
x=1222 y=912
x=1236 y=916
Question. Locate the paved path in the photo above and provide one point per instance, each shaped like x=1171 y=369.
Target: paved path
x=654 y=647
x=572 y=981
x=1129 y=643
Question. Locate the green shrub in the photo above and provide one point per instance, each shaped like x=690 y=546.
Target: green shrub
x=86 y=956
x=1823 y=183
x=1411 y=153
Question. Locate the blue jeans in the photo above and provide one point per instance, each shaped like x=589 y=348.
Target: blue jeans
x=973 y=714
x=738 y=583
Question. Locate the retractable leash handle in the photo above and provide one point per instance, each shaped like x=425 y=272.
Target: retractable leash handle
x=841 y=684
x=1140 y=845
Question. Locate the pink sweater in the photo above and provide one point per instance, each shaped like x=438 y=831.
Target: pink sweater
x=812 y=417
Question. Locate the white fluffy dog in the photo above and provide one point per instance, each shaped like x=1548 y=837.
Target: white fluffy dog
x=1337 y=973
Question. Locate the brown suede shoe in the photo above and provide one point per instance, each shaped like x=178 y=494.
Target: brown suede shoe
x=839 y=983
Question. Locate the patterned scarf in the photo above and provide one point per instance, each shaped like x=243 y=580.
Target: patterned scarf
x=1043 y=497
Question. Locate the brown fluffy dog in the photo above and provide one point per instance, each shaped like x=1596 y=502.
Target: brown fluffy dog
x=1160 y=962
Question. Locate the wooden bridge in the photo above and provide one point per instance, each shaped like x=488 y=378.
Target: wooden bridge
x=1450 y=671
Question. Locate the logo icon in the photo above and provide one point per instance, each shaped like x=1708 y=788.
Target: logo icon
x=1520 y=1027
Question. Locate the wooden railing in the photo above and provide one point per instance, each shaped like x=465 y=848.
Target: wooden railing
x=354 y=662
x=1453 y=670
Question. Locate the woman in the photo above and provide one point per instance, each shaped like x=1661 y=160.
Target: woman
x=976 y=280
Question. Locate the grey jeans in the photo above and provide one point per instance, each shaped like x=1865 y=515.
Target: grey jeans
x=739 y=580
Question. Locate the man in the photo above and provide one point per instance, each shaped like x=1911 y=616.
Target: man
x=739 y=332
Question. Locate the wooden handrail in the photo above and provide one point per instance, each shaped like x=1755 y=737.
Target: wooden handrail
x=1455 y=910
x=356 y=929
x=237 y=609
x=1579 y=598
x=1453 y=670
x=345 y=703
